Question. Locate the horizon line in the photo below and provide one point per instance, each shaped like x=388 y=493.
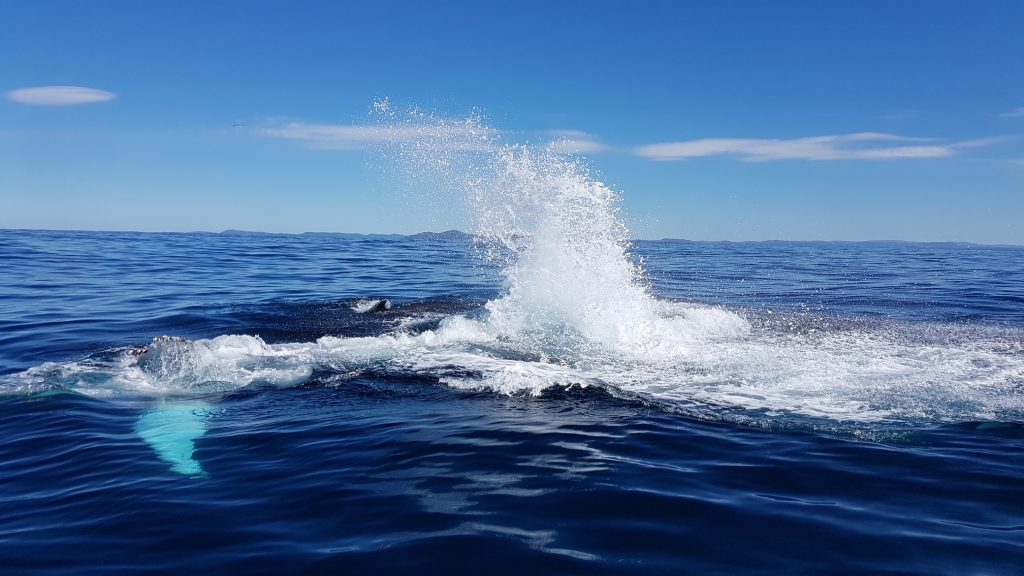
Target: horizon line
x=452 y=231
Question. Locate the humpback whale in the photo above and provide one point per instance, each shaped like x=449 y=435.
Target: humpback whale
x=371 y=306
x=171 y=427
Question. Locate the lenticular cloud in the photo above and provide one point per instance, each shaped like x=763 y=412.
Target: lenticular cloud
x=59 y=95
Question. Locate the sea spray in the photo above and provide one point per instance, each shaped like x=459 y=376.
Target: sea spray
x=568 y=279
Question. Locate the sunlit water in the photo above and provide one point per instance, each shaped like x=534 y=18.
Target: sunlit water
x=544 y=395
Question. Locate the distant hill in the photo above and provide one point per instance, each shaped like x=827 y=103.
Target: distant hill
x=446 y=235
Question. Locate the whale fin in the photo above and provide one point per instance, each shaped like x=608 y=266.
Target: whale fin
x=171 y=430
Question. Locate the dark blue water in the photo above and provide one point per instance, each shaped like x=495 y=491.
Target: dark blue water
x=868 y=419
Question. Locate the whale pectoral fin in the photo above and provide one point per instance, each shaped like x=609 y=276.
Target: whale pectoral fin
x=171 y=430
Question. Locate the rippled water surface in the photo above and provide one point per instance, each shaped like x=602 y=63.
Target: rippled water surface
x=246 y=403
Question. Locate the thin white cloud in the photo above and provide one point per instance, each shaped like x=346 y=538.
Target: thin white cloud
x=1017 y=112
x=856 y=146
x=59 y=95
x=982 y=142
x=466 y=136
x=574 y=142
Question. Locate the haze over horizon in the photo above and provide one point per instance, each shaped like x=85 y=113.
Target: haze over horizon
x=725 y=121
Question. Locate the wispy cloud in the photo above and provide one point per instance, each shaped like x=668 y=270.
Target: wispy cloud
x=449 y=135
x=59 y=95
x=857 y=146
x=466 y=136
x=574 y=142
x=982 y=142
x=1017 y=112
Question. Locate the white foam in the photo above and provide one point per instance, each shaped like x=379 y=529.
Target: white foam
x=881 y=374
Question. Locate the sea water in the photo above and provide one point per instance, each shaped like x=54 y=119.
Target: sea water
x=542 y=394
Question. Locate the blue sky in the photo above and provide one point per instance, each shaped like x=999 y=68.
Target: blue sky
x=715 y=120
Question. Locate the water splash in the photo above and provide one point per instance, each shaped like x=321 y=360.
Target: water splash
x=575 y=310
x=559 y=234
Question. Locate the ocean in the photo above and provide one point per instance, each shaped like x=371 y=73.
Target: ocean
x=243 y=403
x=543 y=396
